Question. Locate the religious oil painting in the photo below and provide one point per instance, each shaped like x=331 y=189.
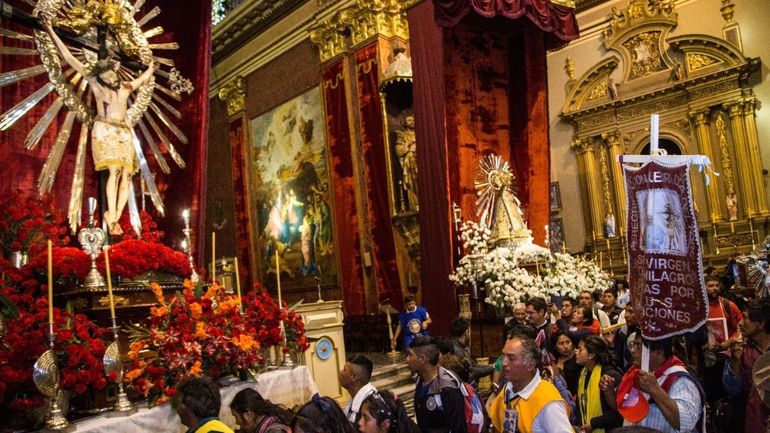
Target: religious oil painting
x=291 y=194
x=662 y=222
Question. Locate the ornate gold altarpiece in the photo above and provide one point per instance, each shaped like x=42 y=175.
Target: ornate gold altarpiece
x=700 y=86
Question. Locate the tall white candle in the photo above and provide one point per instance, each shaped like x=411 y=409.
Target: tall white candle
x=654 y=132
x=109 y=282
x=213 y=257
x=238 y=283
x=50 y=282
x=278 y=278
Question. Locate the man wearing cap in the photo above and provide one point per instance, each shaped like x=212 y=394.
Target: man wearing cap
x=667 y=398
x=738 y=373
x=354 y=377
x=527 y=404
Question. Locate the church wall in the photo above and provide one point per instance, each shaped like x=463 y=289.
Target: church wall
x=695 y=17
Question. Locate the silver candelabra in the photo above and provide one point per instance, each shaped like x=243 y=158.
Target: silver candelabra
x=187 y=245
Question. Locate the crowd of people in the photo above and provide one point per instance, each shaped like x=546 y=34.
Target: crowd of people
x=572 y=367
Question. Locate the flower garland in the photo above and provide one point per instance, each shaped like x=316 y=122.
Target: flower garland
x=199 y=331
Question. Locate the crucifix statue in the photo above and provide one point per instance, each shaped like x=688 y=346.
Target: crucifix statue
x=112 y=143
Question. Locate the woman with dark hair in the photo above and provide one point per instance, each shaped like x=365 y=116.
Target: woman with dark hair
x=321 y=415
x=254 y=414
x=581 y=324
x=563 y=349
x=594 y=413
x=383 y=412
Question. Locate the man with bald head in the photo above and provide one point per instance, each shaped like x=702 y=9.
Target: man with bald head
x=528 y=404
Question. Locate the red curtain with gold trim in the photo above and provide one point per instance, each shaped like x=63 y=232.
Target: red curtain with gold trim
x=558 y=22
x=374 y=147
x=343 y=185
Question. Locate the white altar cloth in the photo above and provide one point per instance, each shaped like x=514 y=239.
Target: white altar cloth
x=285 y=387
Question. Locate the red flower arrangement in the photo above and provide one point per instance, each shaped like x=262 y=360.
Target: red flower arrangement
x=27 y=221
x=200 y=331
x=150 y=232
x=132 y=257
x=79 y=350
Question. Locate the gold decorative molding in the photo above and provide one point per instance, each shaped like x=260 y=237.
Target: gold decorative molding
x=104 y=301
x=569 y=68
x=727 y=9
x=645 y=54
x=605 y=181
x=234 y=94
x=638 y=13
x=699 y=61
x=362 y=21
x=724 y=152
x=600 y=90
x=566 y=3
x=710 y=104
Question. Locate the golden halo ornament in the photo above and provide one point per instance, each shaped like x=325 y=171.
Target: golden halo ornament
x=493 y=177
x=128 y=35
x=111 y=28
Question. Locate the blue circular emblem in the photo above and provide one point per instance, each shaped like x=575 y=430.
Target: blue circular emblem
x=324 y=348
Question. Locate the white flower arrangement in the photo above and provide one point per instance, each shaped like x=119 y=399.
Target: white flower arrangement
x=562 y=277
x=501 y=273
x=475 y=237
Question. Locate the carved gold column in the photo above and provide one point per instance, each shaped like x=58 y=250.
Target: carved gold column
x=586 y=153
x=742 y=163
x=700 y=118
x=614 y=150
x=755 y=159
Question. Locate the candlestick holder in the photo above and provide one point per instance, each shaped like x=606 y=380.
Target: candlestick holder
x=45 y=375
x=287 y=361
x=113 y=363
x=92 y=240
x=318 y=285
x=194 y=277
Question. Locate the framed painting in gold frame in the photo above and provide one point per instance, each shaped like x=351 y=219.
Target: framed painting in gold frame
x=291 y=199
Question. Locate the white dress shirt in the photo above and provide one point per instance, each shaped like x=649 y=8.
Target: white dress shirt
x=353 y=408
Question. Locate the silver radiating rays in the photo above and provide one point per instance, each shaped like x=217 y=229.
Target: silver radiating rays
x=161 y=116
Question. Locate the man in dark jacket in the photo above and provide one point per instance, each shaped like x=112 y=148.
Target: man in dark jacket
x=438 y=402
x=461 y=342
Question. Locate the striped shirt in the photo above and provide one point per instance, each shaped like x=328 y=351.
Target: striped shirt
x=687 y=397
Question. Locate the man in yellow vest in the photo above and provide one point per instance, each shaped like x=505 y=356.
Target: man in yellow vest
x=198 y=406
x=528 y=404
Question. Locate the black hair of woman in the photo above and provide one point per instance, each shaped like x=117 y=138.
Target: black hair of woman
x=249 y=400
x=321 y=415
x=385 y=406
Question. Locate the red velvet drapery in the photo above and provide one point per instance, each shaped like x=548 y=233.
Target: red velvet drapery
x=182 y=188
x=558 y=22
x=373 y=141
x=343 y=185
x=427 y=47
x=480 y=87
x=235 y=135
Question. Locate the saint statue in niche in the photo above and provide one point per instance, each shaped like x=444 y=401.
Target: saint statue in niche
x=406 y=151
x=609 y=225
